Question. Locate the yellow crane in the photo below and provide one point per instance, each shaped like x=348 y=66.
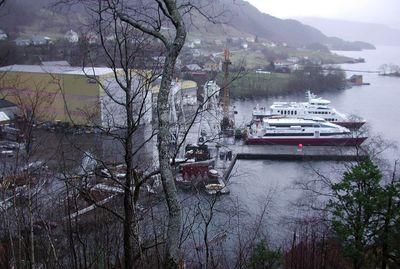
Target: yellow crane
x=226 y=97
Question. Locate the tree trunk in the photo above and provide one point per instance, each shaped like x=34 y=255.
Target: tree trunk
x=128 y=201
x=164 y=139
x=32 y=242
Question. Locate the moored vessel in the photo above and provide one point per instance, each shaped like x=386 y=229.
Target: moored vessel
x=315 y=107
x=294 y=131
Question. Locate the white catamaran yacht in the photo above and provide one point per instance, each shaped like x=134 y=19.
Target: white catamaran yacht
x=279 y=130
x=316 y=107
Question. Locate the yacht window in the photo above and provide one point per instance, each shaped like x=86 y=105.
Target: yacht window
x=291 y=112
x=295 y=112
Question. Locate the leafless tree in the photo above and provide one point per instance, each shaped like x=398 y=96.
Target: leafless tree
x=23 y=176
x=149 y=18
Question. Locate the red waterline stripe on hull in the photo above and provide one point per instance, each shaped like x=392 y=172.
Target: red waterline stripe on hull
x=307 y=141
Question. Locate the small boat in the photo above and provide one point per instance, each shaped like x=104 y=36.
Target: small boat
x=212 y=173
x=315 y=107
x=295 y=131
x=216 y=188
x=197 y=152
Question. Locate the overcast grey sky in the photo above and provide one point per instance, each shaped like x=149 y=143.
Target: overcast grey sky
x=376 y=11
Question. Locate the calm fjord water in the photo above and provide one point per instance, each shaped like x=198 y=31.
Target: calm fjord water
x=378 y=103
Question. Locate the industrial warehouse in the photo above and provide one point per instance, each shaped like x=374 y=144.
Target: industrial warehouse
x=74 y=95
x=84 y=96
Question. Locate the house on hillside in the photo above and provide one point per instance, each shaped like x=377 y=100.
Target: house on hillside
x=197 y=42
x=213 y=64
x=196 y=53
x=191 y=68
x=41 y=40
x=218 y=42
x=293 y=59
x=269 y=44
x=21 y=42
x=251 y=39
x=3 y=35
x=71 y=36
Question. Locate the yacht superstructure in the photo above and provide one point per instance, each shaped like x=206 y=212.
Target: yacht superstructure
x=277 y=130
x=315 y=107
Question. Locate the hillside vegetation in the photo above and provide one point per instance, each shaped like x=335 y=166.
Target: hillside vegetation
x=227 y=18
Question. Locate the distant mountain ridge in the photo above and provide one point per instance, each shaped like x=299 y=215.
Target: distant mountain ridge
x=246 y=18
x=239 y=18
x=378 y=34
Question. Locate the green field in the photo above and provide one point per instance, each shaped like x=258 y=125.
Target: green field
x=254 y=84
x=325 y=57
x=254 y=59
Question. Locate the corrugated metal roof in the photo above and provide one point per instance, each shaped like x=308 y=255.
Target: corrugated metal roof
x=5 y=103
x=56 y=63
x=69 y=70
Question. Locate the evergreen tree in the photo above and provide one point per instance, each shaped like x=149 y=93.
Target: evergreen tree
x=265 y=258
x=358 y=199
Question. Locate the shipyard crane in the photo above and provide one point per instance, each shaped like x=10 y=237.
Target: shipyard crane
x=227 y=121
x=226 y=97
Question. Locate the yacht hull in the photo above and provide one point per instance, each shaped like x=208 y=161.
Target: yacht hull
x=328 y=141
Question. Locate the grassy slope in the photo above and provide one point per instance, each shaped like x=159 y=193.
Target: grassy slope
x=254 y=84
x=331 y=58
x=255 y=59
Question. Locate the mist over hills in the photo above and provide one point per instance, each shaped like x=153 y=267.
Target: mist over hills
x=378 y=34
x=240 y=18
